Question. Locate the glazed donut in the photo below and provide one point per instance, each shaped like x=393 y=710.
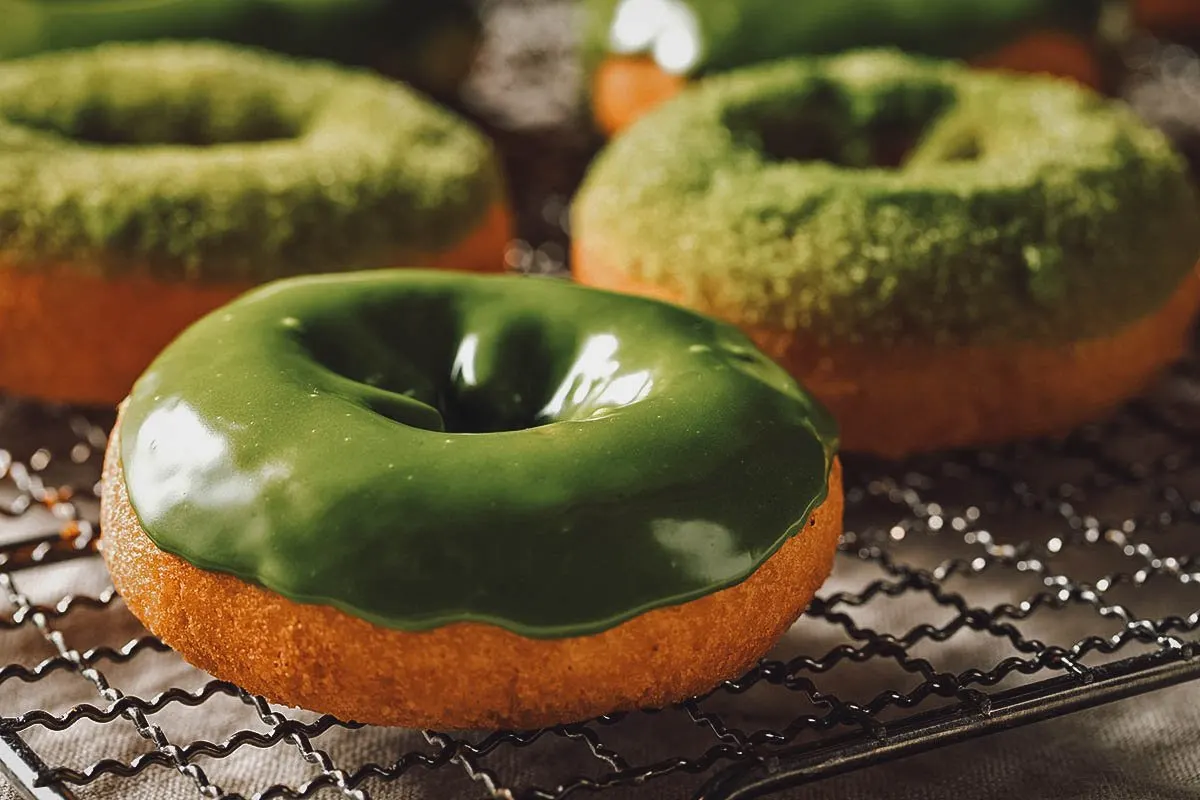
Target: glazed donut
x=642 y=52
x=943 y=257
x=429 y=43
x=427 y=499
x=141 y=186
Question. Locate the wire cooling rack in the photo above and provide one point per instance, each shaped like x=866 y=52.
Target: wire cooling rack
x=971 y=558
x=973 y=592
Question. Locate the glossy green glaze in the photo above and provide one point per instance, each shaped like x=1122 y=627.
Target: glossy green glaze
x=422 y=448
x=375 y=33
x=728 y=34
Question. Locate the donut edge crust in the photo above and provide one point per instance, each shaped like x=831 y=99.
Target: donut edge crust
x=47 y=351
x=894 y=400
x=464 y=675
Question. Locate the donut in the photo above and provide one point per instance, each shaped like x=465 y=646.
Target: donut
x=944 y=257
x=429 y=43
x=428 y=499
x=143 y=185
x=640 y=53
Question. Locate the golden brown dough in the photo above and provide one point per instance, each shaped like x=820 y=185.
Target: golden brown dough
x=947 y=397
x=464 y=675
x=72 y=336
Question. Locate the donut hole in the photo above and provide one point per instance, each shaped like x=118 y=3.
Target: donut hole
x=884 y=145
x=800 y=139
x=417 y=371
x=966 y=146
x=824 y=124
x=187 y=124
x=201 y=104
x=424 y=371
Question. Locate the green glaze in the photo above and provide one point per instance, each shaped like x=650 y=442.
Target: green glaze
x=734 y=34
x=421 y=448
x=384 y=34
x=1026 y=210
x=227 y=164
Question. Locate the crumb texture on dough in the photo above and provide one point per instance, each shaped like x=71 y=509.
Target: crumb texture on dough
x=881 y=197
x=222 y=165
x=463 y=675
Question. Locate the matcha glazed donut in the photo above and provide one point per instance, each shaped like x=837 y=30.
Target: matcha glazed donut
x=440 y=500
x=944 y=257
x=640 y=53
x=143 y=185
x=428 y=43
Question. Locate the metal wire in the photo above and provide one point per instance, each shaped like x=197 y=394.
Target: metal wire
x=1116 y=650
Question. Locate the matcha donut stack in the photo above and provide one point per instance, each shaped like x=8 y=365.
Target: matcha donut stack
x=143 y=185
x=945 y=257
